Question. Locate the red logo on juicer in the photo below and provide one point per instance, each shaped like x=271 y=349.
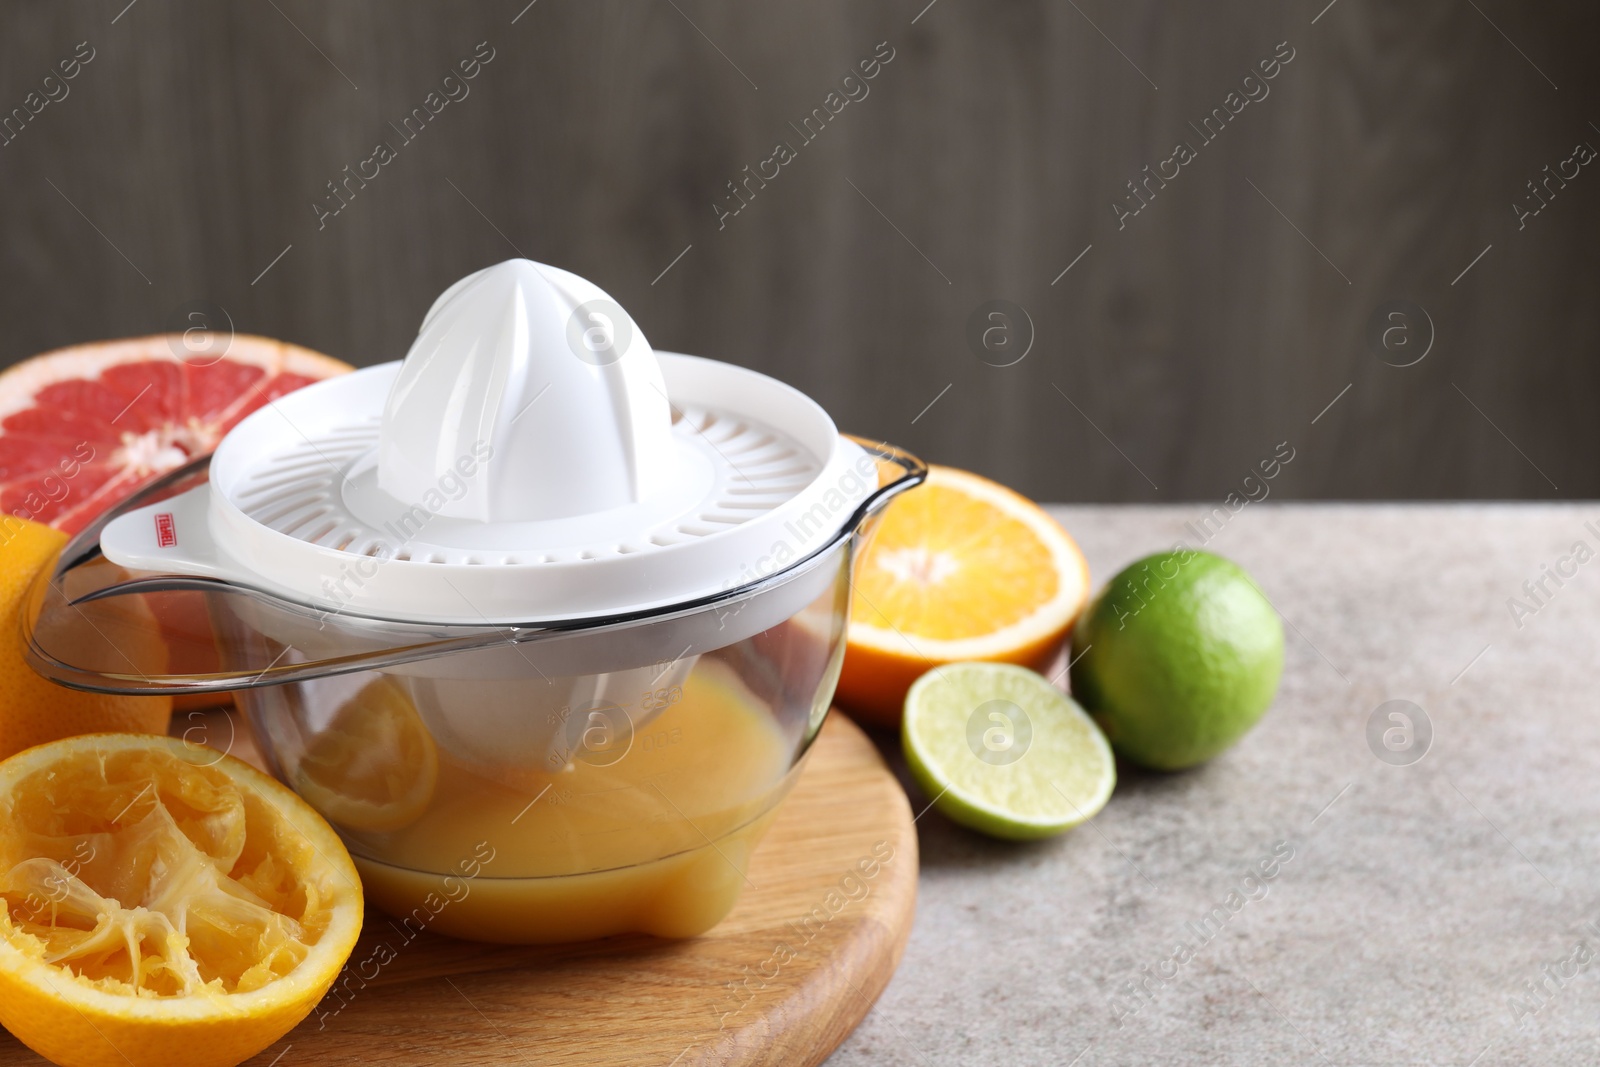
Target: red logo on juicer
x=166 y=530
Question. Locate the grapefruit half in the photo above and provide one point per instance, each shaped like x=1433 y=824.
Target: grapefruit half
x=85 y=427
x=82 y=428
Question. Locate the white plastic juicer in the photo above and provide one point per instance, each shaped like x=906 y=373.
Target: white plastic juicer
x=534 y=561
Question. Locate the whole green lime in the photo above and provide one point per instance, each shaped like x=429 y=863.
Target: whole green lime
x=1177 y=658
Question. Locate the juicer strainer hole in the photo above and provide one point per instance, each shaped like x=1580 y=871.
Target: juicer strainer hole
x=775 y=494
x=263 y=490
x=724 y=431
x=308 y=520
x=292 y=506
x=755 y=446
x=790 y=472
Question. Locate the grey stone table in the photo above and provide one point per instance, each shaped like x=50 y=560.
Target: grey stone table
x=1432 y=913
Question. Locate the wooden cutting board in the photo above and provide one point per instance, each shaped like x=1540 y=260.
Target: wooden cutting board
x=783 y=980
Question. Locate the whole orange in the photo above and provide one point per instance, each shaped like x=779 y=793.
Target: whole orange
x=33 y=710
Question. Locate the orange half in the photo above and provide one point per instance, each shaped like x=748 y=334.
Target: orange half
x=162 y=904
x=960 y=568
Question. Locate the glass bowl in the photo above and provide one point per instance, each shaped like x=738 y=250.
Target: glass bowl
x=533 y=784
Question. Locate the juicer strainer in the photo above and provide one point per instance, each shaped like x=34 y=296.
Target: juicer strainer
x=531 y=458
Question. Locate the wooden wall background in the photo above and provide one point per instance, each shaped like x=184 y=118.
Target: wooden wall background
x=1172 y=357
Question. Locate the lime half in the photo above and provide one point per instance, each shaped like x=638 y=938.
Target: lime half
x=1004 y=752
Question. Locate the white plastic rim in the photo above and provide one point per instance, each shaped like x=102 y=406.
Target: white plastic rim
x=673 y=549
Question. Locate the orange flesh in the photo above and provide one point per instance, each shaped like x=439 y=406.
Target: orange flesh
x=143 y=875
x=949 y=566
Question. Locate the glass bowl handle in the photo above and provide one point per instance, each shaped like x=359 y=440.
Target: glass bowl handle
x=898 y=470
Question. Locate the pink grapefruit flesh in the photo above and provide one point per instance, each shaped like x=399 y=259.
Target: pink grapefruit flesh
x=82 y=428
